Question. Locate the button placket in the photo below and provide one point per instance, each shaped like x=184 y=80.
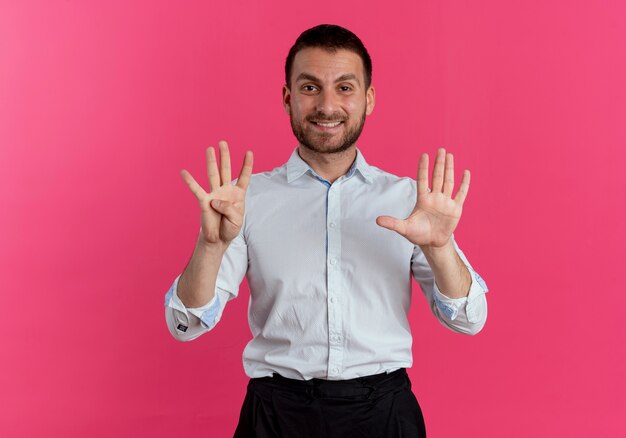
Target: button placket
x=334 y=281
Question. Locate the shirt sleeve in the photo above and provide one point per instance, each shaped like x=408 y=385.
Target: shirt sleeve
x=463 y=315
x=186 y=323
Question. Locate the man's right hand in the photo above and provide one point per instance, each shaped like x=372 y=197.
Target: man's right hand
x=223 y=208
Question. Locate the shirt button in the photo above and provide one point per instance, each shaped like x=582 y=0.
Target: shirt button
x=336 y=370
x=333 y=299
x=331 y=225
x=333 y=262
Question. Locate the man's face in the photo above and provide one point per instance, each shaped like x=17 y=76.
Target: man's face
x=327 y=101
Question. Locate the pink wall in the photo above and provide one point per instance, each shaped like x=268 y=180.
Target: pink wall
x=102 y=103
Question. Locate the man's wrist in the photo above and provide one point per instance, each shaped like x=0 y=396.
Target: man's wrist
x=218 y=247
x=434 y=252
x=451 y=275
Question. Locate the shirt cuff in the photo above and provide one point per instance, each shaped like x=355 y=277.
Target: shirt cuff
x=450 y=307
x=207 y=314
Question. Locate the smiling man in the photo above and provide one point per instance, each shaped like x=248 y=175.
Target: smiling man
x=328 y=105
x=328 y=260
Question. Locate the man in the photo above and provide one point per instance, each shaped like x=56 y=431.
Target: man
x=327 y=260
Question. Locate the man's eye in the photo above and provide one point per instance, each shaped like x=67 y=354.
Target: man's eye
x=309 y=88
x=345 y=88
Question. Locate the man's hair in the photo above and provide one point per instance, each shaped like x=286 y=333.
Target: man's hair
x=330 y=37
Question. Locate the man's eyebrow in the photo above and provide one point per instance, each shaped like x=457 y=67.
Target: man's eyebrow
x=348 y=77
x=306 y=77
x=344 y=77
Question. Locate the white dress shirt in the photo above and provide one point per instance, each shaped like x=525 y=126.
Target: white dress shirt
x=330 y=290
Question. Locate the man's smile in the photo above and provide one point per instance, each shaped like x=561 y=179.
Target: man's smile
x=326 y=126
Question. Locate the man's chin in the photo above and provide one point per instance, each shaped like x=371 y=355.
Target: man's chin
x=326 y=148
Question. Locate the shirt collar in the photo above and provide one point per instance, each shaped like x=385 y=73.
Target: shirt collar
x=296 y=167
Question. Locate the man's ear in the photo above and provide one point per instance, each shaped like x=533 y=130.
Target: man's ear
x=370 y=95
x=287 y=99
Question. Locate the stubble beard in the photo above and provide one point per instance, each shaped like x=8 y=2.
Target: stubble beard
x=320 y=142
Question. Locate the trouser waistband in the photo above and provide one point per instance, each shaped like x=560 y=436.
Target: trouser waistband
x=320 y=388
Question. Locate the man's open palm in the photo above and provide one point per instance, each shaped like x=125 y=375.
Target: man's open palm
x=436 y=213
x=223 y=208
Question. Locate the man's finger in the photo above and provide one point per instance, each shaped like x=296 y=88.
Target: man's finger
x=448 y=178
x=246 y=171
x=391 y=223
x=438 y=170
x=422 y=175
x=212 y=172
x=193 y=185
x=224 y=163
x=463 y=188
x=228 y=210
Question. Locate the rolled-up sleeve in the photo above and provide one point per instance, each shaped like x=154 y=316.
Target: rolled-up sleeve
x=463 y=315
x=186 y=323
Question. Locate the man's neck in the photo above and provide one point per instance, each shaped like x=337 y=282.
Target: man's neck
x=329 y=166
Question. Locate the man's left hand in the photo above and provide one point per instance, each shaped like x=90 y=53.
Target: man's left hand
x=436 y=214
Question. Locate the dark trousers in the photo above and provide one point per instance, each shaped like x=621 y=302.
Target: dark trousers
x=381 y=406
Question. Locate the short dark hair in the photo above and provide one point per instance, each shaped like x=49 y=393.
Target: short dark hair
x=330 y=37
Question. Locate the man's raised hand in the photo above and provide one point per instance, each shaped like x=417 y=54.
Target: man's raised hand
x=221 y=209
x=436 y=214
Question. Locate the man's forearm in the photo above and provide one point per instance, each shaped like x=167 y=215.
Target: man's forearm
x=451 y=275
x=196 y=286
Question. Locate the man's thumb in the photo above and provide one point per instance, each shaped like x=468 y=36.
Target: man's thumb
x=225 y=208
x=218 y=205
x=391 y=223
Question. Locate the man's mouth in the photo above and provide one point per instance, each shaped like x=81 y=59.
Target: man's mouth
x=327 y=125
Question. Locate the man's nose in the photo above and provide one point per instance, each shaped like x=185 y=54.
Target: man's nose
x=327 y=102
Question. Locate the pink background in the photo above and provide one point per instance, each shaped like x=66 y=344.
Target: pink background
x=102 y=103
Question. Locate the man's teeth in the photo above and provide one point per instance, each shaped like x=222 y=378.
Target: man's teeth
x=328 y=125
